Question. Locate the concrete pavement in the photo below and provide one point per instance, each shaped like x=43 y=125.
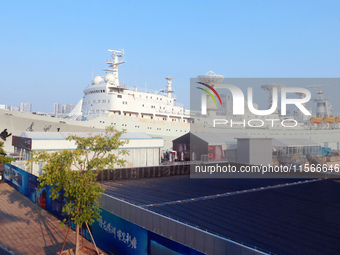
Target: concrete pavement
x=27 y=229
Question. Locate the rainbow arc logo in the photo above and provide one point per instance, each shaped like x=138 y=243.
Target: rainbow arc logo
x=209 y=93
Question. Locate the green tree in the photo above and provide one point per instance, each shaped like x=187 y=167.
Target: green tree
x=73 y=172
x=3 y=158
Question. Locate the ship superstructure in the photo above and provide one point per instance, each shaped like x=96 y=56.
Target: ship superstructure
x=106 y=96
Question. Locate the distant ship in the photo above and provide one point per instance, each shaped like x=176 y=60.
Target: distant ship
x=323 y=127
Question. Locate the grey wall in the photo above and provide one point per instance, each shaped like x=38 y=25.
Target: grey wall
x=254 y=151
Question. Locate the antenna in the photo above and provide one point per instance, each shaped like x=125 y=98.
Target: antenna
x=269 y=88
x=210 y=78
x=319 y=88
x=114 y=63
x=169 y=87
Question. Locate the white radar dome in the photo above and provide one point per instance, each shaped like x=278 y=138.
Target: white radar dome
x=97 y=80
x=109 y=78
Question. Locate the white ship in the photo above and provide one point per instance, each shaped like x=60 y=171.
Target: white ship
x=107 y=102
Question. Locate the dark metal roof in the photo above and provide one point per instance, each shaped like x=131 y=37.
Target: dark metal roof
x=289 y=217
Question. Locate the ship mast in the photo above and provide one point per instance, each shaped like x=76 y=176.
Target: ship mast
x=323 y=107
x=169 y=87
x=114 y=63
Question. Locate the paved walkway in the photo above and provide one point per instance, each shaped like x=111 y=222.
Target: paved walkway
x=26 y=229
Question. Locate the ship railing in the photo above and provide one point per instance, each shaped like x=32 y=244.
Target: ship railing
x=150 y=91
x=178 y=104
x=143 y=90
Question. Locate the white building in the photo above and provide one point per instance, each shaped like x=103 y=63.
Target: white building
x=67 y=108
x=57 y=109
x=15 y=108
x=143 y=150
x=26 y=107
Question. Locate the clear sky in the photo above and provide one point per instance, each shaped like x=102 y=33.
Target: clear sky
x=49 y=50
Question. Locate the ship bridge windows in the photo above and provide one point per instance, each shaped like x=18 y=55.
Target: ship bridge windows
x=95 y=91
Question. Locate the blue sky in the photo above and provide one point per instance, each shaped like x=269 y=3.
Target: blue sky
x=49 y=49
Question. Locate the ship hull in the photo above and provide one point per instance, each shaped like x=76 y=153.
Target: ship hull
x=16 y=123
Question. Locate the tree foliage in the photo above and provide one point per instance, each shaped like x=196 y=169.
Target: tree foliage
x=72 y=171
x=3 y=158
